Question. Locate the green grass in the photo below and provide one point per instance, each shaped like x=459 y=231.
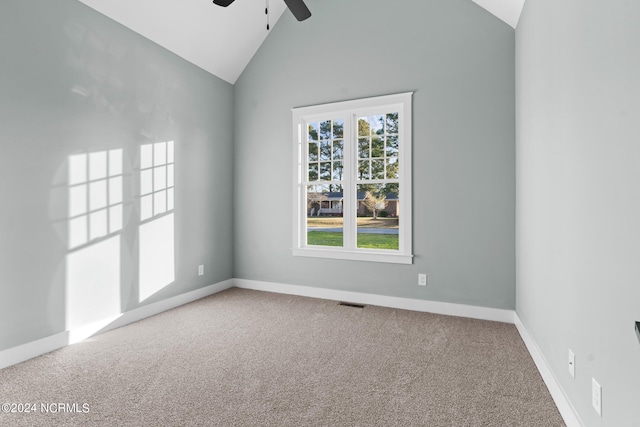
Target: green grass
x=324 y=238
x=378 y=241
x=371 y=241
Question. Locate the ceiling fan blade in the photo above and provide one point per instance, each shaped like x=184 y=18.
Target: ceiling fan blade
x=223 y=3
x=299 y=9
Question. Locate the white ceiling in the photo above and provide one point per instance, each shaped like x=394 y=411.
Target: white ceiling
x=507 y=10
x=221 y=40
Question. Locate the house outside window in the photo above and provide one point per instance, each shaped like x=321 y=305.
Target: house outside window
x=352 y=179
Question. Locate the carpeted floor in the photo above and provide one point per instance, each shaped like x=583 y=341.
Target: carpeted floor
x=249 y=358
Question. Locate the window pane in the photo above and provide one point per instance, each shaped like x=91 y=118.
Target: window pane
x=392 y=123
x=392 y=146
x=325 y=130
x=363 y=169
x=377 y=124
x=325 y=150
x=338 y=128
x=377 y=169
x=377 y=217
x=313 y=132
x=313 y=151
x=377 y=147
x=325 y=171
x=324 y=215
x=338 y=149
x=363 y=148
x=363 y=127
x=337 y=171
x=392 y=168
x=313 y=171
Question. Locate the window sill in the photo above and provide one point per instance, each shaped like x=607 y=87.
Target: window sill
x=360 y=255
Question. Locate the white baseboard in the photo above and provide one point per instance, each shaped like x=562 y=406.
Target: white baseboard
x=45 y=345
x=567 y=411
x=450 y=309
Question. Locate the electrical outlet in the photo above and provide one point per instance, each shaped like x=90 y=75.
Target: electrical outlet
x=422 y=279
x=572 y=364
x=200 y=270
x=596 y=396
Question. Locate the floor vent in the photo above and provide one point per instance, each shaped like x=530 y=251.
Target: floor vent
x=350 y=304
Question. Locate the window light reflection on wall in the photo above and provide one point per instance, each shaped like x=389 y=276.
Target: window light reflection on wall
x=156 y=179
x=95 y=196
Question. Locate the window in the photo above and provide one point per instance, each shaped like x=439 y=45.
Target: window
x=95 y=196
x=352 y=185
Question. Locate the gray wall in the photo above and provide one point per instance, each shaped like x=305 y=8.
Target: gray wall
x=134 y=92
x=578 y=204
x=459 y=60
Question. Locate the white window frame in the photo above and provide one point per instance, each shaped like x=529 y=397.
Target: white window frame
x=350 y=111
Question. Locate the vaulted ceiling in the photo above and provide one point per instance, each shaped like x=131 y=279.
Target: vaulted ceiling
x=220 y=40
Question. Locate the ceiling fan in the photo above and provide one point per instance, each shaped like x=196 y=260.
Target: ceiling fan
x=297 y=7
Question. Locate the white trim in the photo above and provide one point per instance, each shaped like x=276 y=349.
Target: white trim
x=567 y=411
x=450 y=309
x=349 y=111
x=360 y=255
x=45 y=345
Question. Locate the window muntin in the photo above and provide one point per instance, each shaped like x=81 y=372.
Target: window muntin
x=352 y=159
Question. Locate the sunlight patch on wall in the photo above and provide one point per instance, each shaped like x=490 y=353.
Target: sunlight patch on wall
x=156 y=256
x=95 y=196
x=95 y=220
x=93 y=283
x=156 y=233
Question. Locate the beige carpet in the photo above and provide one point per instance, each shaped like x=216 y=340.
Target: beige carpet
x=248 y=358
